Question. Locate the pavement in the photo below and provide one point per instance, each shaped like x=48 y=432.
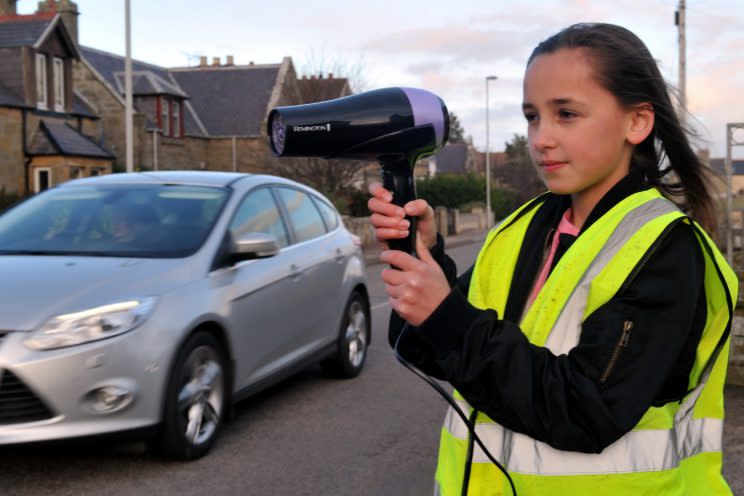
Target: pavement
x=733 y=430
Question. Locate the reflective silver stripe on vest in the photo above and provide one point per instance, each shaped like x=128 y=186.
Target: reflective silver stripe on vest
x=567 y=329
x=637 y=451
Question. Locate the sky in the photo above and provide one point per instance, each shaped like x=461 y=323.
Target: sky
x=446 y=47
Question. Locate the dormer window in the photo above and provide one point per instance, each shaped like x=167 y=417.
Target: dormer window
x=41 y=81
x=170 y=117
x=176 y=119
x=59 y=84
x=165 y=116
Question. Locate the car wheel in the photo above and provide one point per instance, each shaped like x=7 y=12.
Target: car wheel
x=195 y=401
x=353 y=340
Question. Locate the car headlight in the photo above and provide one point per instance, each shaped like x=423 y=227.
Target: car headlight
x=91 y=325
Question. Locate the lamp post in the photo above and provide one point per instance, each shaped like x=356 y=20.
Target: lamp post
x=128 y=104
x=488 y=159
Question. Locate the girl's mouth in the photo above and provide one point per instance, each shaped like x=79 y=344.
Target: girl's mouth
x=551 y=165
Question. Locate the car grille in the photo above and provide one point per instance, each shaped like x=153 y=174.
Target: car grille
x=18 y=403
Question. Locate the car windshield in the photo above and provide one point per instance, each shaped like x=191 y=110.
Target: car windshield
x=154 y=221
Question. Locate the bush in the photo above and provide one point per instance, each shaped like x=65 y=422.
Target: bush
x=450 y=190
x=357 y=203
x=339 y=202
x=503 y=202
x=464 y=192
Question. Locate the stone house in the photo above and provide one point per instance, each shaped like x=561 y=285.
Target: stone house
x=45 y=124
x=210 y=116
x=718 y=167
x=454 y=158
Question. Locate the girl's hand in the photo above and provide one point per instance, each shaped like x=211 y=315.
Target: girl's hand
x=417 y=286
x=389 y=220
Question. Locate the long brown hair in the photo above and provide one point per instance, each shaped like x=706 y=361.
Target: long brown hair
x=625 y=68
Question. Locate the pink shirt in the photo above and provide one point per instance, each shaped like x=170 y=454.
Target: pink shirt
x=564 y=227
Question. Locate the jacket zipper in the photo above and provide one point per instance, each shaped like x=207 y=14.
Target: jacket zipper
x=469 y=457
x=546 y=251
x=622 y=343
x=628 y=326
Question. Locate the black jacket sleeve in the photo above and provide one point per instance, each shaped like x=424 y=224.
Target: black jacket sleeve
x=585 y=400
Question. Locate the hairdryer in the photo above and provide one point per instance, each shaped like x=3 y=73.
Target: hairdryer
x=395 y=126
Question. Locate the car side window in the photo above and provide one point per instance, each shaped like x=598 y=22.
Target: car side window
x=329 y=214
x=258 y=212
x=303 y=215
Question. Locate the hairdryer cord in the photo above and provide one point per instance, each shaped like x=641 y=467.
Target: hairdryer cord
x=453 y=404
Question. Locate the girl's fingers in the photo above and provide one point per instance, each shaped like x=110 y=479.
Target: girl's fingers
x=397 y=292
x=376 y=205
x=393 y=277
x=416 y=207
x=378 y=191
x=386 y=221
x=383 y=233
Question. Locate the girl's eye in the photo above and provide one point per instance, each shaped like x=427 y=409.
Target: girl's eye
x=530 y=117
x=566 y=114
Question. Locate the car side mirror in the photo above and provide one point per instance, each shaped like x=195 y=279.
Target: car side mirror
x=253 y=245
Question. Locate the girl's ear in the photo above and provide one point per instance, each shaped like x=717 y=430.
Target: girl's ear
x=640 y=123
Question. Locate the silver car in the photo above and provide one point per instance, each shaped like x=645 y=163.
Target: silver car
x=156 y=299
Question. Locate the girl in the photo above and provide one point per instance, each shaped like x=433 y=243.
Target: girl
x=589 y=342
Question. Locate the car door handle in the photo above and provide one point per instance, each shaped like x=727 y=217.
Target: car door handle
x=339 y=255
x=294 y=272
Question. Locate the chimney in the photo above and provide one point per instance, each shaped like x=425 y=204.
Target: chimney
x=230 y=60
x=330 y=75
x=215 y=61
x=8 y=8
x=203 y=61
x=67 y=9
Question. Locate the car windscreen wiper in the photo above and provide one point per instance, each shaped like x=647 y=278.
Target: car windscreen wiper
x=56 y=253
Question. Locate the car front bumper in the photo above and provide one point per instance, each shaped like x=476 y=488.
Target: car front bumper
x=57 y=394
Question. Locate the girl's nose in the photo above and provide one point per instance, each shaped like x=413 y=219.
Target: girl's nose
x=541 y=137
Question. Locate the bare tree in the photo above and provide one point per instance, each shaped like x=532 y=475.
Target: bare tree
x=518 y=173
x=456 y=131
x=333 y=178
x=319 y=63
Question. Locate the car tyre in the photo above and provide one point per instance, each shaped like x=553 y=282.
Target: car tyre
x=353 y=340
x=196 y=399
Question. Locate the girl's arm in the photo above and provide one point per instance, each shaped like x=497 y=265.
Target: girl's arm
x=573 y=402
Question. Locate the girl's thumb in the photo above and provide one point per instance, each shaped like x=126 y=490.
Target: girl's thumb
x=423 y=252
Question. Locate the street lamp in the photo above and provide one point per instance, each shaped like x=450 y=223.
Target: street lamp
x=128 y=104
x=488 y=160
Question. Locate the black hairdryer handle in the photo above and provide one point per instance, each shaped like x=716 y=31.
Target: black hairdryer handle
x=399 y=181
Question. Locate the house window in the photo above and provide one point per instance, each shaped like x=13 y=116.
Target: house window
x=42 y=179
x=41 y=81
x=176 y=119
x=165 y=116
x=59 y=85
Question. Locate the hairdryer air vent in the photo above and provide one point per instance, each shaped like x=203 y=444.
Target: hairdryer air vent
x=278 y=134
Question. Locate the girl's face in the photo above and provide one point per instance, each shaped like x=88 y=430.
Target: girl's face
x=577 y=130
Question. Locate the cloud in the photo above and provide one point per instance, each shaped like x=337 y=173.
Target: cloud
x=458 y=42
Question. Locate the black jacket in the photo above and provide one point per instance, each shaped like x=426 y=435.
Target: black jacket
x=578 y=401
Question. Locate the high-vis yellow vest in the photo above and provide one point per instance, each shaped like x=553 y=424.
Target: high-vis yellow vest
x=674 y=449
